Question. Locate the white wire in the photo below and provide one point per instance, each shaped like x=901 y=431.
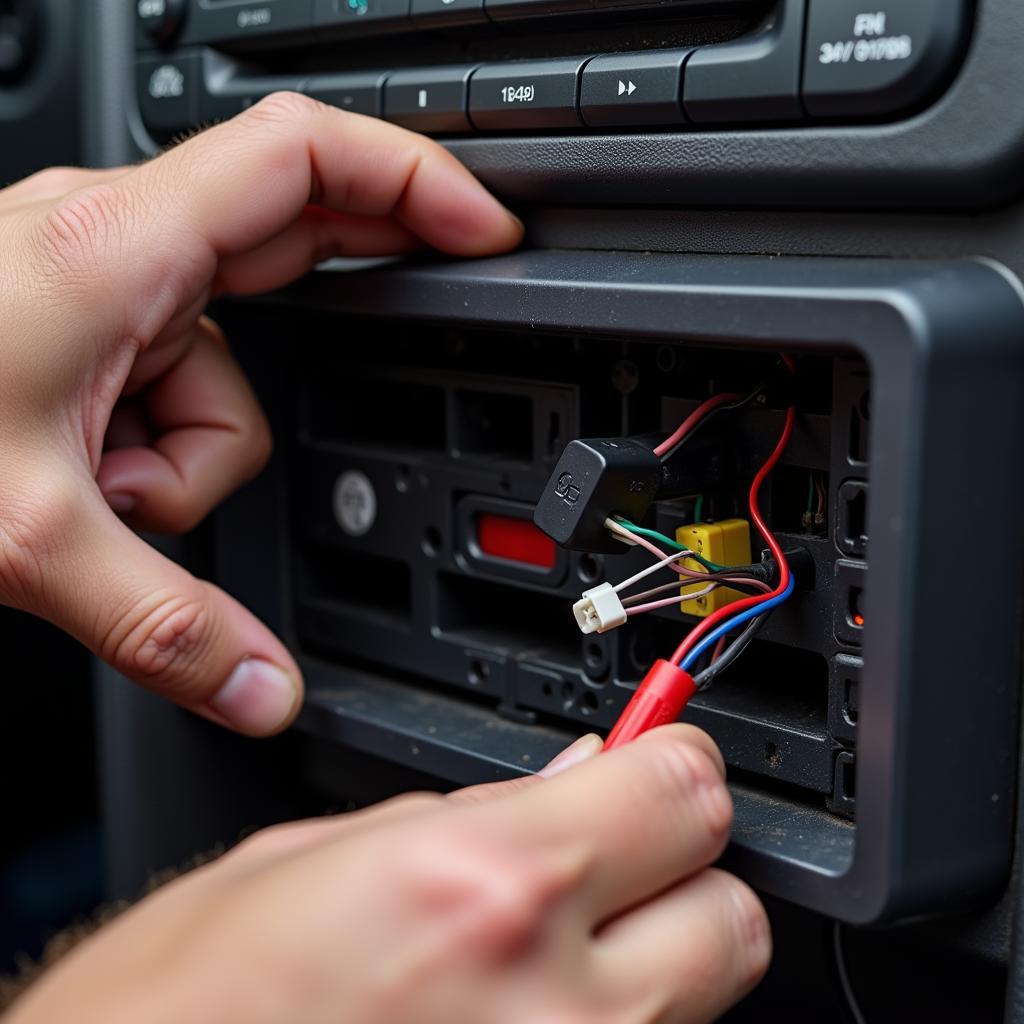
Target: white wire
x=844 y=976
x=637 y=598
x=665 y=563
x=668 y=560
x=678 y=599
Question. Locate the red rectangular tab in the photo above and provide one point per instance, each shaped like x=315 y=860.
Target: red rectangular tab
x=515 y=540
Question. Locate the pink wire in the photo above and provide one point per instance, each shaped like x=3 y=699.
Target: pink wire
x=637 y=608
x=693 y=573
x=692 y=420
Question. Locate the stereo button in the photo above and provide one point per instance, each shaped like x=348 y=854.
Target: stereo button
x=161 y=20
x=869 y=63
x=360 y=92
x=168 y=91
x=431 y=100
x=225 y=93
x=371 y=15
x=445 y=13
x=234 y=20
x=753 y=78
x=526 y=95
x=634 y=89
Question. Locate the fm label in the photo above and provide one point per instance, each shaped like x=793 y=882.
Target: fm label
x=869 y=43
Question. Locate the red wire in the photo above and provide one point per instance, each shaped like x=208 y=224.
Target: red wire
x=773 y=545
x=692 y=420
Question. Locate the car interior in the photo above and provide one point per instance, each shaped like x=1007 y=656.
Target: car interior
x=794 y=227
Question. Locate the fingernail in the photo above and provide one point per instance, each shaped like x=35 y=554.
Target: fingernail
x=121 y=503
x=516 y=220
x=257 y=697
x=582 y=750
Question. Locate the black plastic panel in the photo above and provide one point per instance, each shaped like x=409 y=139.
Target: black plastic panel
x=962 y=152
x=942 y=344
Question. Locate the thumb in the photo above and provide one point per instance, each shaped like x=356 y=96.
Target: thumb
x=150 y=619
x=576 y=753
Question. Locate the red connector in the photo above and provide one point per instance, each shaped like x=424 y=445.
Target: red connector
x=659 y=700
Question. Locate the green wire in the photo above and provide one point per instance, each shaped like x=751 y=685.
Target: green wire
x=654 y=535
x=698 y=508
x=810 y=492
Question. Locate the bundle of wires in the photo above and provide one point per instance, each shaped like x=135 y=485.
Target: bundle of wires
x=747 y=610
x=740 y=577
x=748 y=614
x=737 y=577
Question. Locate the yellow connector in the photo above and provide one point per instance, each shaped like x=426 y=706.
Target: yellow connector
x=724 y=543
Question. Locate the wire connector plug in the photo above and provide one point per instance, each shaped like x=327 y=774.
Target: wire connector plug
x=599 y=610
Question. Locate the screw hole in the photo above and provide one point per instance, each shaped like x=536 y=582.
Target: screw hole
x=772 y=755
x=479 y=672
x=589 y=568
x=588 y=703
x=432 y=541
x=548 y=690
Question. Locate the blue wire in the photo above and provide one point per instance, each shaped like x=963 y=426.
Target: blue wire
x=730 y=624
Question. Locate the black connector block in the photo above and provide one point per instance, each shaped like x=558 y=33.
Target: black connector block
x=801 y=565
x=594 y=479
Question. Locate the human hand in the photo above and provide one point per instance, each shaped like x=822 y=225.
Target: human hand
x=116 y=393
x=583 y=898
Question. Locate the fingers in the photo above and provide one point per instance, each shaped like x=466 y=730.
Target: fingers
x=73 y=562
x=53 y=183
x=585 y=748
x=690 y=954
x=162 y=229
x=289 y=151
x=281 y=841
x=295 y=836
x=582 y=750
x=640 y=819
x=210 y=437
x=316 y=236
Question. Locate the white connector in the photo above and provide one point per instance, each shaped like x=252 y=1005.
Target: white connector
x=599 y=609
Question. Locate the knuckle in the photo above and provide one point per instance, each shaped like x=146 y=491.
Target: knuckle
x=487 y=904
x=78 y=226
x=164 y=643
x=502 y=918
x=281 y=107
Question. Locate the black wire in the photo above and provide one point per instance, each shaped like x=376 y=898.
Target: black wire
x=705 y=678
x=742 y=403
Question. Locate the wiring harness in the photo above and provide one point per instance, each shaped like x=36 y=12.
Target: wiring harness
x=716 y=642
